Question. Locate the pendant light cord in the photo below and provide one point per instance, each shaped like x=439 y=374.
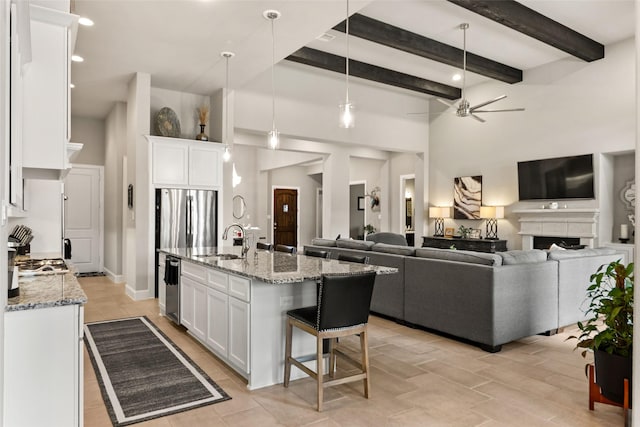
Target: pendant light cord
x=347 y=65
x=226 y=103
x=273 y=81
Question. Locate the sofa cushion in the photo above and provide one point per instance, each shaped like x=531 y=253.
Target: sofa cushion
x=354 y=244
x=461 y=256
x=386 y=237
x=579 y=253
x=393 y=249
x=524 y=257
x=323 y=242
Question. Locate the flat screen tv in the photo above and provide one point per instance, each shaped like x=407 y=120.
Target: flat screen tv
x=558 y=178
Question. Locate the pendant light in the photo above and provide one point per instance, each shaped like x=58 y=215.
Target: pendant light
x=227 y=149
x=347 y=119
x=274 y=135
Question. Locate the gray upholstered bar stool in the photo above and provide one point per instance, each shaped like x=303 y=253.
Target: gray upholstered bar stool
x=265 y=246
x=342 y=310
x=286 y=248
x=316 y=253
x=362 y=259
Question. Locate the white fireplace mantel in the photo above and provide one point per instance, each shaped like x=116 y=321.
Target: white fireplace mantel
x=579 y=223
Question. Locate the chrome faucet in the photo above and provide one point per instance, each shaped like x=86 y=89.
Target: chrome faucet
x=245 y=241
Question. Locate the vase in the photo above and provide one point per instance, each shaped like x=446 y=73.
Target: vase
x=611 y=370
x=202 y=136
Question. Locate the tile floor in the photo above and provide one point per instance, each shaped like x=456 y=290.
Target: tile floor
x=418 y=379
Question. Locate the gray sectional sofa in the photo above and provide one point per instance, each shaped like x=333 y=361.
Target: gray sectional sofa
x=489 y=299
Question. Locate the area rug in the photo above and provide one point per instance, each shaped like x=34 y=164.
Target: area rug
x=142 y=374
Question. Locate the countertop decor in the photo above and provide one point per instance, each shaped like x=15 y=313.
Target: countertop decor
x=273 y=267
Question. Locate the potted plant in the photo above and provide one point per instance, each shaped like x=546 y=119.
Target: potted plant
x=609 y=330
x=368 y=229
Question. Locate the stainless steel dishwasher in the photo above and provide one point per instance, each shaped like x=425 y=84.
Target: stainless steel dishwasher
x=172 y=282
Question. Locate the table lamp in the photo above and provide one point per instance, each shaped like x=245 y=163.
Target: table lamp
x=439 y=213
x=492 y=214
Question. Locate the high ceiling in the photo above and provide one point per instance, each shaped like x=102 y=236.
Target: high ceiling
x=178 y=42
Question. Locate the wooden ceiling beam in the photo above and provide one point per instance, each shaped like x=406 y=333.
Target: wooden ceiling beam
x=336 y=63
x=527 y=21
x=397 y=38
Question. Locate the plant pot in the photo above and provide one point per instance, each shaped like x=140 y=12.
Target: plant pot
x=611 y=371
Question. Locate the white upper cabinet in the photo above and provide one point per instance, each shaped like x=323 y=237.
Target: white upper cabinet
x=45 y=91
x=185 y=163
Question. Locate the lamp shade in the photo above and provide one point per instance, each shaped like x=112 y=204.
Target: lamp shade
x=488 y=212
x=439 y=212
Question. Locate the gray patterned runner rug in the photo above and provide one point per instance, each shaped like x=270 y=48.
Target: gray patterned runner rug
x=142 y=374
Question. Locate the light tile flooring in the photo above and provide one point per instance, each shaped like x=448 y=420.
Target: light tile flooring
x=418 y=379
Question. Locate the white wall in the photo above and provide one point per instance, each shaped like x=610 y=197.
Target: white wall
x=4 y=161
x=91 y=133
x=115 y=145
x=185 y=106
x=43 y=201
x=571 y=108
x=367 y=170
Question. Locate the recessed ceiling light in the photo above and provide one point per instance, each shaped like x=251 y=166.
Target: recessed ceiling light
x=77 y=58
x=85 y=21
x=71 y=85
x=456 y=77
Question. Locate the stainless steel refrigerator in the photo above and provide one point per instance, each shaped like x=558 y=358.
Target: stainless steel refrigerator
x=185 y=219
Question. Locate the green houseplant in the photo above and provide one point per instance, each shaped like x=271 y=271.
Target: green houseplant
x=608 y=332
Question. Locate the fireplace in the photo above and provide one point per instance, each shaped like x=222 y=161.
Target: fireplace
x=575 y=227
x=544 y=242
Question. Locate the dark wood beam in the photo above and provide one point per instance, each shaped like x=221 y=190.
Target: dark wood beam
x=527 y=21
x=336 y=63
x=398 y=38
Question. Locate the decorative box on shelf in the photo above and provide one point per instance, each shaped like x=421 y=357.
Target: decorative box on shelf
x=478 y=245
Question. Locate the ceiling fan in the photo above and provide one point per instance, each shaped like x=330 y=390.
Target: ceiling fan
x=464 y=108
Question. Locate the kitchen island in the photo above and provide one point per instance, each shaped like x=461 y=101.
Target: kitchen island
x=43 y=366
x=237 y=307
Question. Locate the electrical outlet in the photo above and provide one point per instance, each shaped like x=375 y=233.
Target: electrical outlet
x=286 y=301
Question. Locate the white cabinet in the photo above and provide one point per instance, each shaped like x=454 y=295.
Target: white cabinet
x=43 y=367
x=217 y=321
x=239 y=328
x=45 y=104
x=184 y=163
x=215 y=307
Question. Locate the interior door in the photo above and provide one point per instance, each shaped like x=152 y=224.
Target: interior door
x=285 y=217
x=82 y=217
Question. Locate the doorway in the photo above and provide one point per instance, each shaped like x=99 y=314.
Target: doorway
x=356 y=210
x=285 y=216
x=407 y=210
x=83 y=219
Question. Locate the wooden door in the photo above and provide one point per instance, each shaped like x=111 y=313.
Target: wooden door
x=285 y=217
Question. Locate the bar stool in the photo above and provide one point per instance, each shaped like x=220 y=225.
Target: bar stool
x=316 y=253
x=362 y=259
x=265 y=246
x=342 y=310
x=286 y=248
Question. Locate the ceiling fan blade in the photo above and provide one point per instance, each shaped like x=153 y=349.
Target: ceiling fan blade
x=488 y=102
x=480 y=119
x=498 y=111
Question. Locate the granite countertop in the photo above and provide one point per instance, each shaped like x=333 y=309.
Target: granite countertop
x=49 y=290
x=273 y=267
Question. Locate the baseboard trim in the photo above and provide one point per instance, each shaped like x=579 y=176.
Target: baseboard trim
x=137 y=295
x=115 y=278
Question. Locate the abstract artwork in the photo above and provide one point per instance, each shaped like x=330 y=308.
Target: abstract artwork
x=467 y=197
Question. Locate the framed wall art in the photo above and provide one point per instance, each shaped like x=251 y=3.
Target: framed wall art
x=467 y=197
